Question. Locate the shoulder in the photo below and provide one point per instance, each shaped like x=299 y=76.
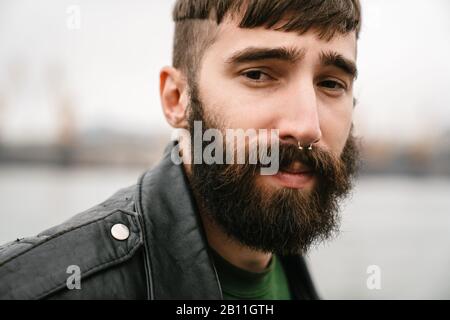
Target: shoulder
x=41 y=266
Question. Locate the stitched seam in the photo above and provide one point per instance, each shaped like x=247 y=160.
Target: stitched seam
x=57 y=235
x=147 y=256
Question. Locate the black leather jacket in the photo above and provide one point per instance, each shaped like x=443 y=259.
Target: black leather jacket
x=165 y=255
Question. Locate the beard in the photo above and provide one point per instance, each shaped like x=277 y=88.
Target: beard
x=282 y=221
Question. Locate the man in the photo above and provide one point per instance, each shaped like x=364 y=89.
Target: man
x=200 y=229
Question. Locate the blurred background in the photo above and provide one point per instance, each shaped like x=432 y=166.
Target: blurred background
x=80 y=118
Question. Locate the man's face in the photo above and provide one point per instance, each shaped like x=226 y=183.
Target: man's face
x=304 y=99
x=302 y=86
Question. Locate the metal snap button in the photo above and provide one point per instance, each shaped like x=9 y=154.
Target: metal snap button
x=120 y=232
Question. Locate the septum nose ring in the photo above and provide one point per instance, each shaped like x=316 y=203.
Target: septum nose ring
x=302 y=148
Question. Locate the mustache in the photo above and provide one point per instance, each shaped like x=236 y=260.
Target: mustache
x=317 y=160
x=322 y=163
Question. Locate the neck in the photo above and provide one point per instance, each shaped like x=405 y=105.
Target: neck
x=233 y=251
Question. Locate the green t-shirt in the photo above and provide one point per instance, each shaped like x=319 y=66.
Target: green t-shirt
x=239 y=284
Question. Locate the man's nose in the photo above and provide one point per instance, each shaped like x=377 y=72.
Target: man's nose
x=299 y=121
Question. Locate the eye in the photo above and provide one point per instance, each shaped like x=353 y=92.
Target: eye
x=256 y=75
x=333 y=85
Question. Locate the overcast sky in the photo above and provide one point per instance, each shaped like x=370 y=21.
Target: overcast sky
x=109 y=66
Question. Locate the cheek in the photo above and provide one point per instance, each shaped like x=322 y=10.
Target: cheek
x=237 y=109
x=335 y=125
x=251 y=111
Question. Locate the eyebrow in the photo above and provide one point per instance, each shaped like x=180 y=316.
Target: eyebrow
x=252 y=54
x=292 y=55
x=335 y=59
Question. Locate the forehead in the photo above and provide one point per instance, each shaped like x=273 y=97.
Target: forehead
x=230 y=38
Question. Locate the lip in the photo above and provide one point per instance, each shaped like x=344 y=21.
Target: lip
x=298 y=180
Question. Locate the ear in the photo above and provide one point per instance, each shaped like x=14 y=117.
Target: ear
x=174 y=96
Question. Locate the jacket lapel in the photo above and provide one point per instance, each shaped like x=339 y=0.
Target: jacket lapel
x=178 y=263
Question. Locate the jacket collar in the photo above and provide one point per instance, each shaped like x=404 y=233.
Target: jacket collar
x=177 y=258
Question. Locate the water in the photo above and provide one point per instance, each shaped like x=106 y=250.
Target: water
x=400 y=224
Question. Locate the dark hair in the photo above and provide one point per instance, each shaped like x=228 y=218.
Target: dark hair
x=196 y=21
